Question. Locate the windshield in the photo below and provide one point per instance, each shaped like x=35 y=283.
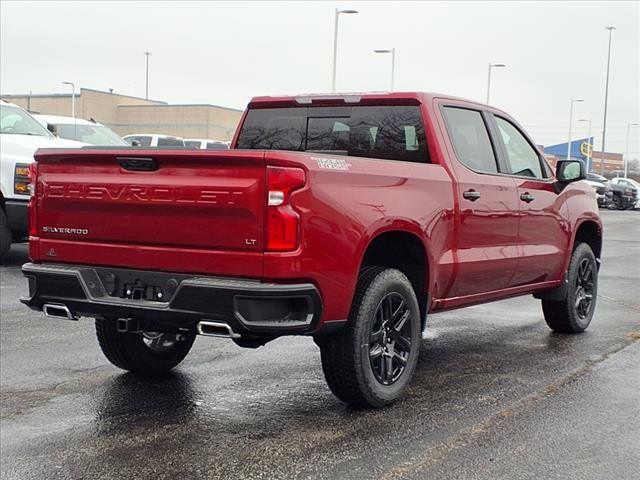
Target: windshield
x=630 y=182
x=92 y=134
x=390 y=132
x=17 y=121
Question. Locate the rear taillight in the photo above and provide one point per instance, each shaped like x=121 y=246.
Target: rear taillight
x=283 y=222
x=33 y=182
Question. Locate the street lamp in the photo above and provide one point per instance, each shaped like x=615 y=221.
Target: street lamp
x=146 y=91
x=393 y=62
x=573 y=100
x=626 y=155
x=335 y=43
x=492 y=65
x=606 y=98
x=73 y=106
x=589 y=143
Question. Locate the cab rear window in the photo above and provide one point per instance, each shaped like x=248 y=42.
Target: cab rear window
x=386 y=132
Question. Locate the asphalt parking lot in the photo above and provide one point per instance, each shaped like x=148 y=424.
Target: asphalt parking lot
x=496 y=395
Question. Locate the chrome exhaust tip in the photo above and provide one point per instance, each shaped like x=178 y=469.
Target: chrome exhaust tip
x=53 y=310
x=216 y=329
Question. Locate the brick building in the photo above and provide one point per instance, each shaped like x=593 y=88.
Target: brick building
x=126 y=114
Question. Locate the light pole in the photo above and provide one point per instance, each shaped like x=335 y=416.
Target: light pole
x=146 y=90
x=335 y=44
x=573 y=100
x=393 y=62
x=626 y=154
x=492 y=65
x=606 y=98
x=73 y=106
x=589 y=144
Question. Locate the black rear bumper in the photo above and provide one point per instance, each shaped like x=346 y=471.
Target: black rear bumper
x=175 y=301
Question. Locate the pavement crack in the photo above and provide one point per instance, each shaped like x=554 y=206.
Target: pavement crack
x=469 y=434
x=617 y=301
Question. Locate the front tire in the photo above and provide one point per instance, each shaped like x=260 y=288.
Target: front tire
x=149 y=353
x=371 y=361
x=573 y=313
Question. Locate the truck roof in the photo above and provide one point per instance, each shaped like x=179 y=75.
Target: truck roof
x=353 y=98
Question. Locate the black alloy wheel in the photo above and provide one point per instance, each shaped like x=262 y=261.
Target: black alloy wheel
x=585 y=281
x=390 y=339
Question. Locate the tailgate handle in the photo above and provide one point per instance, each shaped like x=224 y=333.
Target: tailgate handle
x=138 y=164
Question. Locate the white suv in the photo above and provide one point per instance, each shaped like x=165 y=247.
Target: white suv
x=20 y=136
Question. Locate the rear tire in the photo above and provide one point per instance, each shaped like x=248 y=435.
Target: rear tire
x=574 y=312
x=370 y=362
x=5 y=234
x=146 y=353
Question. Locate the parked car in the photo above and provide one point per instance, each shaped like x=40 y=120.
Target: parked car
x=20 y=136
x=624 y=197
x=604 y=193
x=204 y=144
x=86 y=131
x=629 y=183
x=349 y=218
x=153 y=140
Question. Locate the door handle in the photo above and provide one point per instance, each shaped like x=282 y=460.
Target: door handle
x=527 y=197
x=471 y=195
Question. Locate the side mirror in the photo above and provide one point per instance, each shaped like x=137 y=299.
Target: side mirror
x=570 y=171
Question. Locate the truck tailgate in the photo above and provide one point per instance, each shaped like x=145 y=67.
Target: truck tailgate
x=152 y=198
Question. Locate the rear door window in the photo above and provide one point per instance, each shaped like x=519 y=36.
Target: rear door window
x=386 y=132
x=470 y=139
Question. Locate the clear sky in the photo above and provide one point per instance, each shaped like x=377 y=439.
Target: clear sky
x=226 y=52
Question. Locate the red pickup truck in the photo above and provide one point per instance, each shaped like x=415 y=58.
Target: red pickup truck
x=343 y=217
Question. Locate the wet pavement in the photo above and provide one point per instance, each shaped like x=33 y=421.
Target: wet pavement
x=496 y=395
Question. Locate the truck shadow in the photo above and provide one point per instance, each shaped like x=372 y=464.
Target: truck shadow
x=139 y=401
